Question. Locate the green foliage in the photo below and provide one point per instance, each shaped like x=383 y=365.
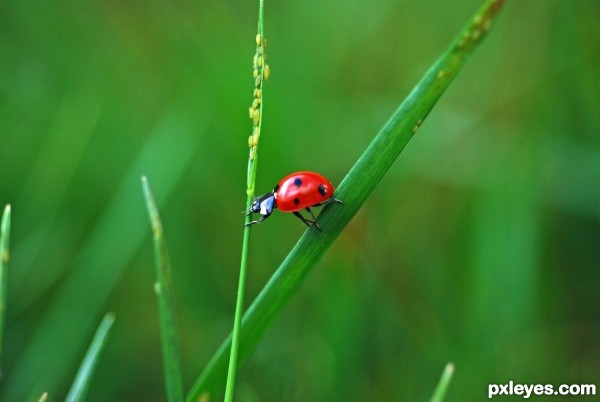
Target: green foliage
x=479 y=246
x=104 y=254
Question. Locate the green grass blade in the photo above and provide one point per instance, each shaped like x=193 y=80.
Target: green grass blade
x=83 y=378
x=442 y=387
x=4 y=257
x=166 y=304
x=353 y=190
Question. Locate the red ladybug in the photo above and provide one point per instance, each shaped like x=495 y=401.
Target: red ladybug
x=296 y=191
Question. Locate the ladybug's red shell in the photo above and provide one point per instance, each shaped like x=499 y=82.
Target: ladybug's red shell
x=301 y=190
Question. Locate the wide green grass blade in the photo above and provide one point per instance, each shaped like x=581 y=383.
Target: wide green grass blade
x=83 y=378
x=442 y=387
x=4 y=257
x=353 y=190
x=166 y=303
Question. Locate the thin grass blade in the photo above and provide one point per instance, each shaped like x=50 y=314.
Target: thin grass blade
x=353 y=190
x=165 y=294
x=4 y=257
x=84 y=375
x=442 y=387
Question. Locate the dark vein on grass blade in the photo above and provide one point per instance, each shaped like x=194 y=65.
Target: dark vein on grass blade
x=358 y=184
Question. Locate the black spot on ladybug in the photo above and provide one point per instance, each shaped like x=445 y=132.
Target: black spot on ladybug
x=296 y=201
x=322 y=190
x=297 y=182
x=276 y=188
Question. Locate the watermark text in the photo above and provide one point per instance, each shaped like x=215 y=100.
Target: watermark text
x=528 y=390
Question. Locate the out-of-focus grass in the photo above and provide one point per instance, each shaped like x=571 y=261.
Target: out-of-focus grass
x=489 y=261
x=81 y=383
x=442 y=387
x=165 y=294
x=108 y=249
x=4 y=259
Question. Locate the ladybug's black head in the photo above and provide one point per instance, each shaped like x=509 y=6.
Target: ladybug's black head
x=263 y=204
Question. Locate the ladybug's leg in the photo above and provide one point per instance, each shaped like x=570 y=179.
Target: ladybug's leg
x=311 y=213
x=307 y=222
x=314 y=219
x=262 y=218
x=303 y=219
x=332 y=200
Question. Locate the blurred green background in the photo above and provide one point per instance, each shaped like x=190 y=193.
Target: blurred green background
x=481 y=246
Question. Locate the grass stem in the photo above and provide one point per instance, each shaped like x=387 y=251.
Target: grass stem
x=256 y=112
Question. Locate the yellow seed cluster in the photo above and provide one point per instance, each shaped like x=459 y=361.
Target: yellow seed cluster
x=260 y=71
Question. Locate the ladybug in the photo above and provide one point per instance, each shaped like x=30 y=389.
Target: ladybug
x=296 y=191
